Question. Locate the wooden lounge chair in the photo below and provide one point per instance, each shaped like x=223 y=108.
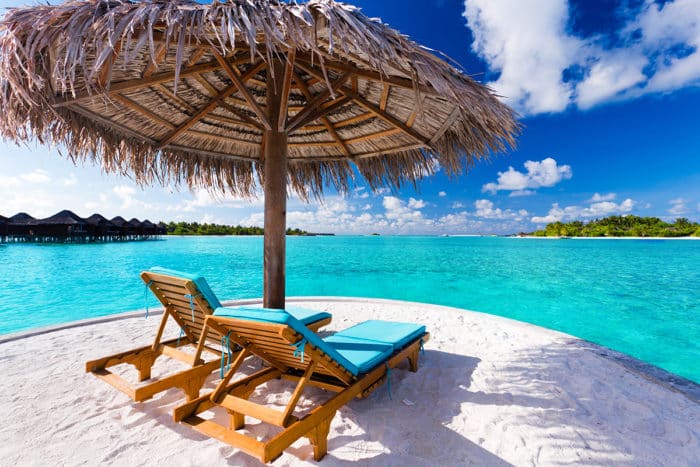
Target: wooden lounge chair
x=188 y=300
x=351 y=363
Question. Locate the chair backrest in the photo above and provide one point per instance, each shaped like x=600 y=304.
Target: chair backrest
x=281 y=340
x=187 y=297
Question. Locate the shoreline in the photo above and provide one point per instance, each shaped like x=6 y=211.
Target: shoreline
x=605 y=238
x=489 y=391
x=653 y=373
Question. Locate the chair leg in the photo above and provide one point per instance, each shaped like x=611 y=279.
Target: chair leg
x=193 y=385
x=236 y=419
x=144 y=363
x=319 y=438
x=413 y=360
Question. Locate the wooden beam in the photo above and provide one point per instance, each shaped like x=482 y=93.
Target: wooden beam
x=245 y=118
x=379 y=134
x=316 y=102
x=240 y=85
x=336 y=65
x=138 y=83
x=362 y=155
x=446 y=124
x=205 y=84
x=390 y=119
x=208 y=108
x=385 y=96
x=105 y=72
x=223 y=138
x=358 y=119
x=286 y=87
x=323 y=111
x=161 y=52
x=326 y=123
x=126 y=102
x=197 y=54
x=204 y=152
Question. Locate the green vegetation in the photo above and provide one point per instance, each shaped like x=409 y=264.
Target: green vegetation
x=622 y=226
x=195 y=228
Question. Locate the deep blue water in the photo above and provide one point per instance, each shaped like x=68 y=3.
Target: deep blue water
x=641 y=297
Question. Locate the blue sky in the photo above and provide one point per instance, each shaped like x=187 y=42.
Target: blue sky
x=608 y=93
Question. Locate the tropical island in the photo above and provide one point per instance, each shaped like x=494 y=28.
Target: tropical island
x=621 y=226
x=195 y=228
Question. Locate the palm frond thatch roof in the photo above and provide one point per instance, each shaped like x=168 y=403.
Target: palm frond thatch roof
x=175 y=92
x=64 y=217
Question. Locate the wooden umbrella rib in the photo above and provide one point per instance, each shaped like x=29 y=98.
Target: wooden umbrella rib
x=205 y=84
x=244 y=118
x=209 y=107
x=391 y=120
x=286 y=88
x=204 y=152
x=153 y=65
x=156 y=78
x=106 y=69
x=405 y=83
x=323 y=111
x=348 y=92
x=446 y=124
x=197 y=54
x=326 y=123
x=353 y=120
x=125 y=101
x=112 y=124
x=364 y=155
x=378 y=135
x=302 y=117
x=384 y=98
x=228 y=139
x=240 y=85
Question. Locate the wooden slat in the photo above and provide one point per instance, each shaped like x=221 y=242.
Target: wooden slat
x=315 y=103
x=138 y=83
x=143 y=111
x=323 y=111
x=286 y=87
x=326 y=123
x=378 y=135
x=252 y=409
x=206 y=84
x=239 y=83
x=446 y=124
x=214 y=430
x=385 y=96
x=161 y=52
x=208 y=108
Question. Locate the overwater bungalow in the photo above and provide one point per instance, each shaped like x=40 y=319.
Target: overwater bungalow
x=120 y=226
x=149 y=228
x=135 y=228
x=21 y=226
x=3 y=228
x=63 y=227
x=100 y=228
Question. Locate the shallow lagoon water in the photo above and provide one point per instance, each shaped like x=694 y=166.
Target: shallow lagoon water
x=640 y=297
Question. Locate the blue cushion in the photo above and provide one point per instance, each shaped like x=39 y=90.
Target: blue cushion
x=198 y=280
x=364 y=354
x=267 y=315
x=304 y=315
x=396 y=334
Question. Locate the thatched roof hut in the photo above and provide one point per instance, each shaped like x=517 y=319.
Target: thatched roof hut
x=299 y=96
x=22 y=218
x=98 y=220
x=20 y=224
x=3 y=226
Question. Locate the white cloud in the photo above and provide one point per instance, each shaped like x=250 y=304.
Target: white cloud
x=545 y=173
x=71 y=180
x=457 y=205
x=514 y=194
x=678 y=207
x=542 y=66
x=598 y=197
x=36 y=176
x=416 y=203
x=485 y=208
x=442 y=194
x=596 y=209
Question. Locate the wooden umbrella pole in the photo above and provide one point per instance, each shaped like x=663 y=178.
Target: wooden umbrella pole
x=275 y=192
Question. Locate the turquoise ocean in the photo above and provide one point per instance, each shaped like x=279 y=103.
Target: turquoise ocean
x=640 y=297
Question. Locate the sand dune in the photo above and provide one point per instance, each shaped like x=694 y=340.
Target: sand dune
x=490 y=391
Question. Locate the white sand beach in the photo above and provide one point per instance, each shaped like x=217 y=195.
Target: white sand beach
x=489 y=391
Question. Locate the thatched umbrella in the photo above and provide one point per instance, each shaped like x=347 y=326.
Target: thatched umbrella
x=303 y=96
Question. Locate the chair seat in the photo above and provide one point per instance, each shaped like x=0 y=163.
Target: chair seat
x=396 y=334
x=364 y=354
x=305 y=315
